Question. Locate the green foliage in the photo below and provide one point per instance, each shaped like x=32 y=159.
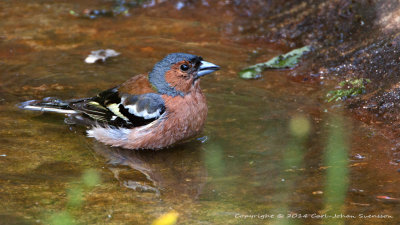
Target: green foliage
x=336 y=160
x=215 y=160
x=292 y=161
x=76 y=194
x=285 y=61
x=348 y=88
x=62 y=218
x=300 y=126
x=90 y=178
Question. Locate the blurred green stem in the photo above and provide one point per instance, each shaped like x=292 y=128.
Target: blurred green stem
x=337 y=173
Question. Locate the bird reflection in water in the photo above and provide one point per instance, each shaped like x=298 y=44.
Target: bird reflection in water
x=178 y=172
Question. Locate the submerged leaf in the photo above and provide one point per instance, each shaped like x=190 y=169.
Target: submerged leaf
x=285 y=61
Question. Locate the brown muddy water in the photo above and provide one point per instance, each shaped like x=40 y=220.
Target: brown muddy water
x=243 y=167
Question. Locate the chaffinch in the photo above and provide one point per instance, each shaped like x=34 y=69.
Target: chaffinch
x=145 y=112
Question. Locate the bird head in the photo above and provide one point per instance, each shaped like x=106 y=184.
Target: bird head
x=178 y=72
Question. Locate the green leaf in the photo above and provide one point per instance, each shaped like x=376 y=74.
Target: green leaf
x=250 y=73
x=73 y=13
x=348 y=88
x=285 y=61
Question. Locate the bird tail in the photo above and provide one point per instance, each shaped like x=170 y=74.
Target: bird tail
x=48 y=104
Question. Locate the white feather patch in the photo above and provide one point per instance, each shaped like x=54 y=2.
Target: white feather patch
x=145 y=114
x=101 y=133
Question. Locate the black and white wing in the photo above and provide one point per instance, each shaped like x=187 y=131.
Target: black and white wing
x=122 y=110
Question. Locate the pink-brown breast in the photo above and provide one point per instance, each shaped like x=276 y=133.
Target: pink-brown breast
x=185 y=118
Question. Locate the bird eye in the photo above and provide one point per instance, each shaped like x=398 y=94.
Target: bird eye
x=184 y=67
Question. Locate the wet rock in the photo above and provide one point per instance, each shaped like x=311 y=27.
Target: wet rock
x=352 y=40
x=121 y=7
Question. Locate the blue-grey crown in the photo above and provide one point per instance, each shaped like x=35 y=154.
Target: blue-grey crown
x=157 y=75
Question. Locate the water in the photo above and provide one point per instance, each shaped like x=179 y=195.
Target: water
x=245 y=167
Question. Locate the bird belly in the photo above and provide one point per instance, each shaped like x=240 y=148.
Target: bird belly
x=184 y=118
